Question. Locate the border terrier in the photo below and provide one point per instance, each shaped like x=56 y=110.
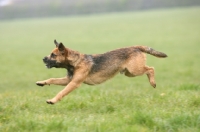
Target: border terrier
x=97 y=68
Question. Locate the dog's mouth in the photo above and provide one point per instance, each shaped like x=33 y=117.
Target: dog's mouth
x=48 y=66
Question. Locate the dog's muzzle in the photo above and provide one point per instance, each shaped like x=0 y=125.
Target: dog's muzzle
x=49 y=63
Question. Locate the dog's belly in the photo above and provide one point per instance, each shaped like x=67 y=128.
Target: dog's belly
x=98 y=78
x=94 y=81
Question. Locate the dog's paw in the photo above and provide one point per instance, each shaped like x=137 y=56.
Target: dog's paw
x=39 y=83
x=154 y=85
x=50 y=102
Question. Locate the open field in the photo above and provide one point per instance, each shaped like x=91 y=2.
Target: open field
x=119 y=105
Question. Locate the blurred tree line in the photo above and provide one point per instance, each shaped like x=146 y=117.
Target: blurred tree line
x=46 y=8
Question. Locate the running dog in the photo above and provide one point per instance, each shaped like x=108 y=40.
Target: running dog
x=97 y=68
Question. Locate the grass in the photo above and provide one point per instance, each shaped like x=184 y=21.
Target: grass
x=120 y=104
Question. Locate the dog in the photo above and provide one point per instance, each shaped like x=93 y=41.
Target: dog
x=97 y=68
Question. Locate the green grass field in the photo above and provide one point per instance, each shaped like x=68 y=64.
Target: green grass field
x=121 y=104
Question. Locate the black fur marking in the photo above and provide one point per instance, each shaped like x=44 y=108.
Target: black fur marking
x=70 y=71
x=98 y=63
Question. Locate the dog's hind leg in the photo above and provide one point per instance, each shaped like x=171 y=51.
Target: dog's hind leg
x=137 y=71
x=150 y=75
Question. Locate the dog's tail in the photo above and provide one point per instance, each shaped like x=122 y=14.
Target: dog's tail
x=151 y=51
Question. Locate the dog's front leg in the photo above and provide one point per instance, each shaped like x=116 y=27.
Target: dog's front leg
x=70 y=87
x=57 y=81
x=78 y=78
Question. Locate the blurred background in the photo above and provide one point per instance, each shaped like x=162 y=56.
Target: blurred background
x=28 y=29
x=10 y=9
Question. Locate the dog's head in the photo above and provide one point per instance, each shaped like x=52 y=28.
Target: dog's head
x=58 y=57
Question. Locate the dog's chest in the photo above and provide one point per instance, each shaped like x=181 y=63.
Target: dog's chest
x=70 y=71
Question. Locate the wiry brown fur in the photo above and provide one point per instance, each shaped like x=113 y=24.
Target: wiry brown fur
x=95 y=69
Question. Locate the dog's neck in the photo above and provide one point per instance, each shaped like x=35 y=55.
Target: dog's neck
x=73 y=58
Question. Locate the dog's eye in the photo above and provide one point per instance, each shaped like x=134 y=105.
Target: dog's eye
x=53 y=55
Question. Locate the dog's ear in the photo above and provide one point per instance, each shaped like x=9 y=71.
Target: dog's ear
x=56 y=43
x=61 y=47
